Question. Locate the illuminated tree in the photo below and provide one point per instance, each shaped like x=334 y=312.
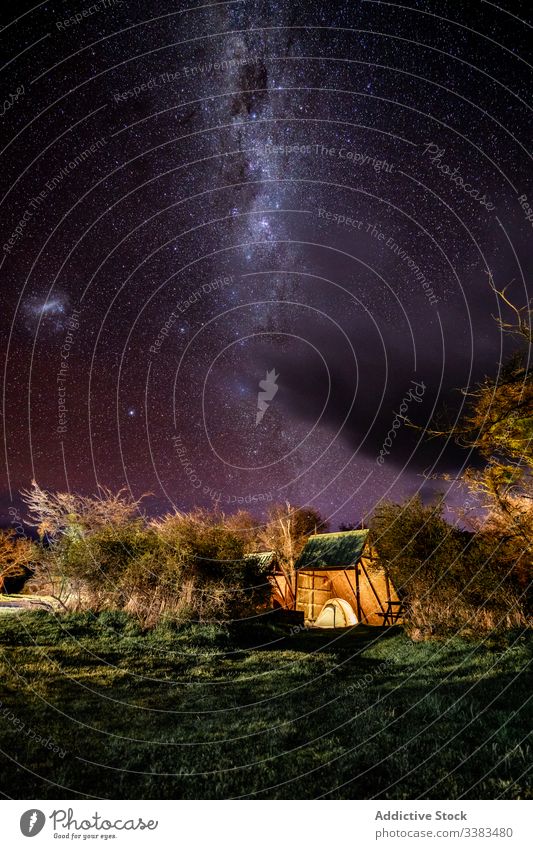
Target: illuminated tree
x=286 y=531
x=16 y=556
x=499 y=426
x=56 y=513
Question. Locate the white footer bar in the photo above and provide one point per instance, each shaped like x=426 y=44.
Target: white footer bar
x=267 y=824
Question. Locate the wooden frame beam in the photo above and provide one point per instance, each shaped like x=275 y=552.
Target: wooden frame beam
x=367 y=576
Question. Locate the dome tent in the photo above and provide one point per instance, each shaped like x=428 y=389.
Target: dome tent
x=336 y=613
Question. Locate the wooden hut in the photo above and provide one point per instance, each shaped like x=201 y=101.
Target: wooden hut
x=282 y=592
x=339 y=584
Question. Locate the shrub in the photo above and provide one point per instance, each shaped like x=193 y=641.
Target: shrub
x=450 y=579
x=184 y=567
x=16 y=556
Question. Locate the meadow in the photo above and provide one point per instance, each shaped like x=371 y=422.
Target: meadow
x=95 y=706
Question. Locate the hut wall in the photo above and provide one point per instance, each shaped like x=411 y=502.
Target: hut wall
x=343 y=585
x=375 y=591
x=281 y=591
x=315 y=588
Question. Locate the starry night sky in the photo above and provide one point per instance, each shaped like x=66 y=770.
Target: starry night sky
x=196 y=197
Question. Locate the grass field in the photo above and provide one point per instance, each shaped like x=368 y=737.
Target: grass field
x=205 y=712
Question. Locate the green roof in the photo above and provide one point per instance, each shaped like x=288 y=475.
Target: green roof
x=264 y=558
x=332 y=551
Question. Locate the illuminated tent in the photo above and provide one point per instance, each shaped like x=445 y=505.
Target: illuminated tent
x=336 y=613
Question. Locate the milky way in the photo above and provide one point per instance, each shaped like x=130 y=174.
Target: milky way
x=199 y=200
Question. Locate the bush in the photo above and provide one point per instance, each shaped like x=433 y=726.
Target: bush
x=16 y=557
x=183 y=567
x=450 y=579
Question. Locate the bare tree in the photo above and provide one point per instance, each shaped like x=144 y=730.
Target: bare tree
x=286 y=532
x=55 y=513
